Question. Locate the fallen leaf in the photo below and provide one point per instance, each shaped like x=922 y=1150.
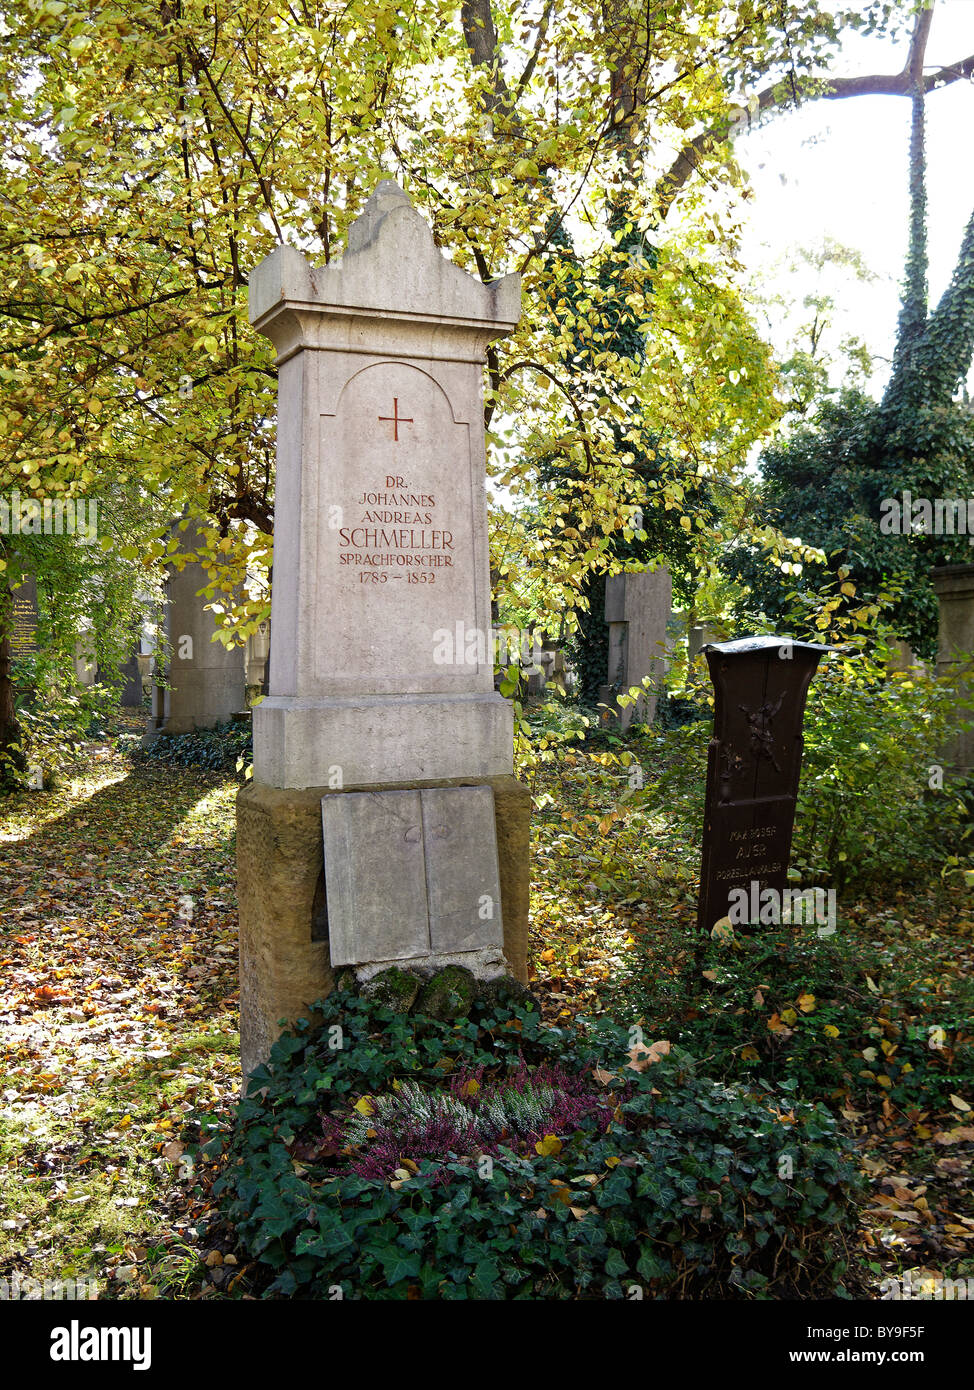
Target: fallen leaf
x=549 y=1146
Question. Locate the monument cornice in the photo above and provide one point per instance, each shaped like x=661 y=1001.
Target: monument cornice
x=382 y=290
x=306 y=326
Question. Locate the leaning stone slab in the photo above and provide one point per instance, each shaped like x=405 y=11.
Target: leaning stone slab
x=411 y=875
x=375 y=876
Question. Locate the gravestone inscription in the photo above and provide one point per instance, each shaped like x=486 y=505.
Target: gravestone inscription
x=753 y=766
x=23 y=627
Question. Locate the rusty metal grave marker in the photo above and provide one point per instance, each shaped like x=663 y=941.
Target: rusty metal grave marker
x=753 y=766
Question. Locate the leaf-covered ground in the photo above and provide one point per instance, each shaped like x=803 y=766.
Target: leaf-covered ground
x=614 y=901
x=118 y=1007
x=119 y=1016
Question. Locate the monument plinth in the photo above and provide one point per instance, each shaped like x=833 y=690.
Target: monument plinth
x=383 y=804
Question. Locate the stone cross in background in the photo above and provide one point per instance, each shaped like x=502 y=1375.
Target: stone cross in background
x=384 y=827
x=753 y=766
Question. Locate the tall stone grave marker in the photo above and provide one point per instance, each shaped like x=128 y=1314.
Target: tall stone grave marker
x=637 y=609
x=130 y=680
x=206 y=679
x=753 y=766
x=383 y=824
x=954 y=586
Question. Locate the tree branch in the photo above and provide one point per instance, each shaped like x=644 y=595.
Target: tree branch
x=900 y=84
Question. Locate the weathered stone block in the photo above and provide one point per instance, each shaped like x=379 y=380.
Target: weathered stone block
x=280 y=861
x=396 y=989
x=954 y=586
x=449 y=994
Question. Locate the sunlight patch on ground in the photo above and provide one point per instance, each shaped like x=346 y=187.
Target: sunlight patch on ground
x=39 y=812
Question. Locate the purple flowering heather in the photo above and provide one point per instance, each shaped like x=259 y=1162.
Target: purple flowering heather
x=472 y=1116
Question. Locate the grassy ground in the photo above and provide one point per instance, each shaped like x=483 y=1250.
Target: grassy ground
x=119 y=1010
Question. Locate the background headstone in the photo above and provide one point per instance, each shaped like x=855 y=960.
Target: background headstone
x=637 y=609
x=85 y=658
x=753 y=765
x=954 y=587
x=206 y=678
x=130 y=676
x=699 y=635
x=258 y=650
x=24 y=619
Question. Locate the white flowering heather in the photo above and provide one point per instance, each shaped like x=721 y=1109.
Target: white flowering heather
x=518 y=1112
x=472 y=1115
x=408 y=1108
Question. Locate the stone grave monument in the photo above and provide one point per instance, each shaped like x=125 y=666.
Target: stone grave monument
x=383 y=827
x=258 y=647
x=205 y=678
x=753 y=765
x=637 y=609
x=130 y=681
x=954 y=587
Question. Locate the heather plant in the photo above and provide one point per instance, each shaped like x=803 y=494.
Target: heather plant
x=473 y=1116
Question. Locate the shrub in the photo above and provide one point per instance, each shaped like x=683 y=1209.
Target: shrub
x=224 y=748
x=54 y=720
x=833 y=1015
x=865 y=813
x=656 y=1177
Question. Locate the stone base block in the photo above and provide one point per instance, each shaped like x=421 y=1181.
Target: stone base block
x=301 y=742
x=284 y=959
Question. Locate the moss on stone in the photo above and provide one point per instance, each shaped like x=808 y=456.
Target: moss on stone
x=449 y=994
x=505 y=990
x=394 y=988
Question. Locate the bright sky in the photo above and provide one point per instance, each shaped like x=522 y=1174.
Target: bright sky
x=839 y=169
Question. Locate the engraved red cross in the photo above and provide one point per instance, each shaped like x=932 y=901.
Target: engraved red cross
x=395 y=419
